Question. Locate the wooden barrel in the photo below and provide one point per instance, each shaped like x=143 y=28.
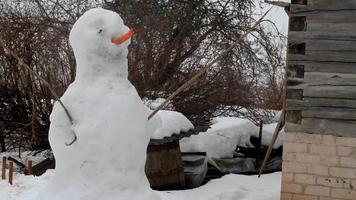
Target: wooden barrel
x=164 y=165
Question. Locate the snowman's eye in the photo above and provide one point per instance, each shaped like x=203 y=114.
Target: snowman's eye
x=100 y=31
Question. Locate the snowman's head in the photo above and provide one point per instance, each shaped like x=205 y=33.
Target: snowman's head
x=100 y=33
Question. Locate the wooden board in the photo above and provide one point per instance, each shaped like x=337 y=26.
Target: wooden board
x=330 y=113
x=338 y=92
x=317 y=5
x=330 y=45
x=329 y=78
x=330 y=16
x=332 y=67
x=300 y=36
x=307 y=103
x=324 y=126
x=345 y=27
x=325 y=56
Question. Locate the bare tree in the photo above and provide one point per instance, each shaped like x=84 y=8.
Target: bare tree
x=172 y=40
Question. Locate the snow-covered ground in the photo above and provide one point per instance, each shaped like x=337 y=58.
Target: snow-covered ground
x=229 y=187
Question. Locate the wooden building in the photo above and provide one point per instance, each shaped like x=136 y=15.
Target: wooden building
x=320 y=144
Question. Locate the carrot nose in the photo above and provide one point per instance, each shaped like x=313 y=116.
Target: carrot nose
x=122 y=38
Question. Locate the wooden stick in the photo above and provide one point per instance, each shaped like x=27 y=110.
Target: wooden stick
x=207 y=66
x=29 y=167
x=274 y=139
x=11 y=172
x=3 y=171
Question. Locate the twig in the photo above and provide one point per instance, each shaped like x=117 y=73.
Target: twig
x=55 y=95
x=207 y=66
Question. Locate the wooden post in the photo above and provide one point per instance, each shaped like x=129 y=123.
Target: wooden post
x=3 y=171
x=258 y=157
x=29 y=167
x=11 y=172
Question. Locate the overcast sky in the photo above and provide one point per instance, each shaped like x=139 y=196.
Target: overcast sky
x=277 y=15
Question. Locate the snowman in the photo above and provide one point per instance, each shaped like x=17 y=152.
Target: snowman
x=107 y=159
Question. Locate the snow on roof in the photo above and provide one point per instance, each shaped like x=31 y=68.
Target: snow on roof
x=225 y=134
x=172 y=123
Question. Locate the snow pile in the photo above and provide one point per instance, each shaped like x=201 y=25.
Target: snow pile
x=172 y=123
x=225 y=134
x=110 y=121
x=229 y=187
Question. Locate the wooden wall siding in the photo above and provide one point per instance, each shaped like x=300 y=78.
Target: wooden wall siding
x=321 y=70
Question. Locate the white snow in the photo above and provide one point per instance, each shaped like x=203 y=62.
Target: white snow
x=172 y=123
x=229 y=187
x=225 y=134
x=110 y=120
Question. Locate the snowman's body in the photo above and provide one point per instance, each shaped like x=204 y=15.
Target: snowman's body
x=107 y=161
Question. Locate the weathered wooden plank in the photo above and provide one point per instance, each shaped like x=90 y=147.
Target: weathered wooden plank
x=333 y=127
x=330 y=4
x=300 y=36
x=307 y=103
x=278 y=3
x=323 y=127
x=330 y=16
x=339 y=92
x=301 y=84
x=325 y=56
x=316 y=5
x=332 y=27
x=330 y=113
x=330 y=78
x=332 y=67
x=330 y=45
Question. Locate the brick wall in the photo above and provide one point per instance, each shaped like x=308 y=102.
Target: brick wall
x=318 y=167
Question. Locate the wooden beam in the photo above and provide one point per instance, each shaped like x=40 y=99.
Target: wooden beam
x=325 y=56
x=339 y=128
x=278 y=3
x=300 y=36
x=332 y=67
x=307 y=103
x=338 y=92
x=318 y=5
x=330 y=113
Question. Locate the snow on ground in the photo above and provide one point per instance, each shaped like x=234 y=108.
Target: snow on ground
x=225 y=134
x=229 y=187
x=172 y=123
